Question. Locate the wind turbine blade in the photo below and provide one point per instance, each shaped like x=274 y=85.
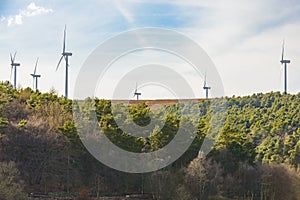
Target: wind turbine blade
x=59 y=62
x=37 y=60
x=282 y=53
x=64 y=42
x=14 y=57
x=11 y=59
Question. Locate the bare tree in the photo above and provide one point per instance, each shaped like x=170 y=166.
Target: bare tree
x=11 y=186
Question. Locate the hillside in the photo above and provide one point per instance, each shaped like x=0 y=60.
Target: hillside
x=257 y=154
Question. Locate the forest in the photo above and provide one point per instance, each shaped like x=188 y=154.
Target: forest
x=256 y=154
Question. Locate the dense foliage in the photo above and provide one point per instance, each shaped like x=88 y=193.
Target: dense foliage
x=256 y=156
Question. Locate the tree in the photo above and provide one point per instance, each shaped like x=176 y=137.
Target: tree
x=295 y=155
x=161 y=184
x=276 y=182
x=203 y=177
x=74 y=151
x=11 y=186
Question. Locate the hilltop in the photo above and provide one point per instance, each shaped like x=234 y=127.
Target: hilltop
x=257 y=154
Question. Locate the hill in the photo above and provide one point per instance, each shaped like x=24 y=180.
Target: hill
x=256 y=156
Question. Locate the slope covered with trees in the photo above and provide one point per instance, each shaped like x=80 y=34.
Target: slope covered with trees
x=256 y=156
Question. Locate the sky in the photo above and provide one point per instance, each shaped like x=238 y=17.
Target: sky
x=242 y=38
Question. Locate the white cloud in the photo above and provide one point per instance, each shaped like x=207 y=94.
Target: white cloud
x=10 y=21
x=244 y=40
x=33 y=10
x=30 y=11
x=124 y=12
x=18 y=19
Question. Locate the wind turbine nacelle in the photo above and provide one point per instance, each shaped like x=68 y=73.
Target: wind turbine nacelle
x=285 y=61
x=35 y=75
x=16 y=64
x=137 y=93
x=206 y=88
x=67 y=54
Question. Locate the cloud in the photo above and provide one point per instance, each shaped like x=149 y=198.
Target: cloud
x=10 y=21
x=18 y=19
x=243 y=39
x=30 y=11
x=2 y=19
x=33 y=10
x=124 y=12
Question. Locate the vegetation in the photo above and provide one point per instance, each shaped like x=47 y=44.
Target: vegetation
x=256 y=156
x=11 y=186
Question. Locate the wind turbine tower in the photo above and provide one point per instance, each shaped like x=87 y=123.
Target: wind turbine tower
x=35 y=76
x=136 y=93
x=66 y=56
x=205 y=87
x=284 y=62
x=14 y=66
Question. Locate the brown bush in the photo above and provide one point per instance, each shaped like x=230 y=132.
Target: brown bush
x=84 y=193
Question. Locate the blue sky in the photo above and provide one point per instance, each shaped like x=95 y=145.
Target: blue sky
x=243 y=38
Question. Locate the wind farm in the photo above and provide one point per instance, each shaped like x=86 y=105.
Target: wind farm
x=47 y=41
x=149 y=100
x=65 y=55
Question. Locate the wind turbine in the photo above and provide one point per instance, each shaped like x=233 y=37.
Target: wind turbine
x=35 y=76
x=205 y=87
x=14 y=66
x=285 y=62
x=66 y=56
x=136 y=93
